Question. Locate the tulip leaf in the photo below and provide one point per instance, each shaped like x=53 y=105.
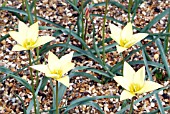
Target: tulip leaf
x=163 y=56
x=4 y=37
x=62 y=89
x=150 y=77
x=85 y=100
x=24 y=108
x=72 y=74
x=73 y=5
x=22 y=81
x=100 y=72
x=5 y=70
x=156 y=111
x=111 y=2
x=155 y=20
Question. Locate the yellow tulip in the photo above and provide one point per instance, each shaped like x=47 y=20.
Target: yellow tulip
x=27 y=37
x=134 y=82
x=56 y=68
x=125 y=38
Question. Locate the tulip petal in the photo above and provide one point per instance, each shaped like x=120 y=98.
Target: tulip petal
x=124 y=82
x=18 y=48
x=22 y=28
x=136 y=38
x=55 y=76
x=128 y=72
x=127 y=32
x=149 y=86
x=64 y=80
x=43 y=39
x=17 y=37
x=41 y=68
x=53 y=62
x=32 y=32
x=67 y=67
x=120 y=49
x=126 y=95
x=139 y=76
x=115 y=33
x=66 y=58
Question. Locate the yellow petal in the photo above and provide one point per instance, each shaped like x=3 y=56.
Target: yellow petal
x=66 y=58
x=149 y=86
x=17 y=37
x=124 y=82
x=41 y=68
x=139 y=76
x=64 y=80
x=32 y=32
x=127 y=32
x=22 y=28
x=67 y=67
x=43 y=39
x=120 y=48
x=128 y=72
x=136 y=38
x=126 y=95
x=115 y=33
x=18 y=48
x=53 y=62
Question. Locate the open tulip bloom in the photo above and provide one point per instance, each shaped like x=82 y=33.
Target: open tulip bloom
x=125 y=38
x=56 y=68
x=134 y=82
x=27 y=37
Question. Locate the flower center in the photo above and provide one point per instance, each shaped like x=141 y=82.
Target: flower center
x=28 y=44
x=134 y=87
x=58 y=72
x=123 y=42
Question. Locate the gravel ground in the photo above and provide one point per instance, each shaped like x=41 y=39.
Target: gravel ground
x=60 y=12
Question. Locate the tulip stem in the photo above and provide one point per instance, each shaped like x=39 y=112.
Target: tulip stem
x=32 y=81
x=103 y=32
x=86 y=22
x=131 y=106
x=37 y=77
x=23 y=8
x=129 y=9
x=82 y=22
x=57 y=97
x=123 y=60
x=35 y=11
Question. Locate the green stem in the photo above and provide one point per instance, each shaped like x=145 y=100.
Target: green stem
x=103 y=38
x=32 y=82
x=131 y=106
x=123 y=60
x=29 y=12
x=82 y=22
x=23 y=8
x=37 y=77
x=86 y=28
x=103 y=32
x=129 y=9
x=35 y=11
x=57 y=97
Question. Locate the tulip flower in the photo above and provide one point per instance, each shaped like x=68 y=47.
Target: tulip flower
x=125 y=38
x=56 y=68
x=27 y=37
x=134 y=82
